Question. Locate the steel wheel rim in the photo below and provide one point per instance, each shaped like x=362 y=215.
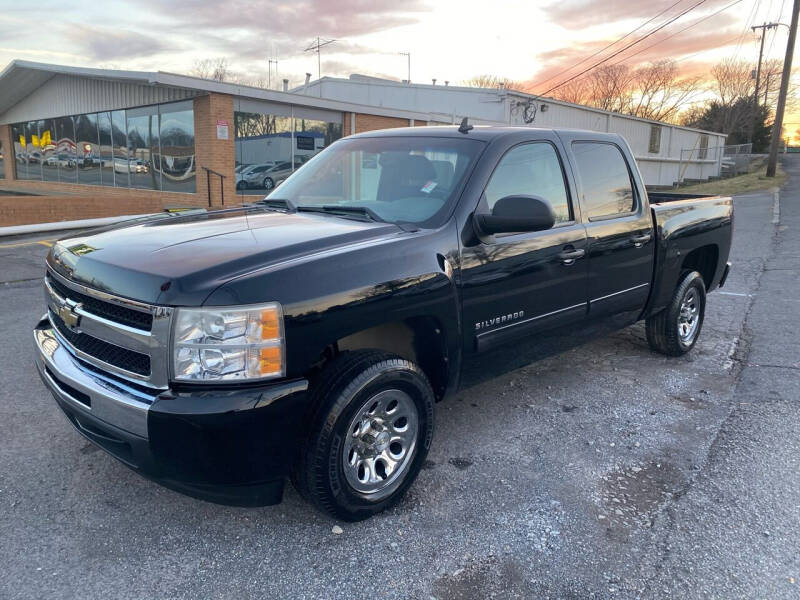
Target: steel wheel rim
x=689 y=316
x=380 y=442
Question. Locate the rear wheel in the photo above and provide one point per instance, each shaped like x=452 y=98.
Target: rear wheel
x=268 y=183
x=674 y=330
x=370 y=430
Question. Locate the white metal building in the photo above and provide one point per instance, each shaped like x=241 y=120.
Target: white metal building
x=666 y=153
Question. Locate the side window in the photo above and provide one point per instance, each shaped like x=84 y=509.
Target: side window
x=606 y=188
x=655 y=139
x=703 y=154
x=531 y=170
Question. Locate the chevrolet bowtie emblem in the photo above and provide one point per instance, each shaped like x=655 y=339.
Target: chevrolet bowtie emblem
x=68 y=314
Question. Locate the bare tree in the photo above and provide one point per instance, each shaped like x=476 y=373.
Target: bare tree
x=493 y=81
x=655 y=91
x=211 y=68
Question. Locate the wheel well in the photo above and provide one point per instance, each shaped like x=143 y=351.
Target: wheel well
x=704 y=261
x=419 y=339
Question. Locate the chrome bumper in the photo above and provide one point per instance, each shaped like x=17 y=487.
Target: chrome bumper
x=85 y=391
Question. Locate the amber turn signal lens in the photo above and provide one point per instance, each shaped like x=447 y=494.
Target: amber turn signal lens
x=270 y=324
x=270 y=360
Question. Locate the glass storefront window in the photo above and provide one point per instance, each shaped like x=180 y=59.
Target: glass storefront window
x=119 y=138
x=105 y=149
x=176 y=159
x=269 y=148
x=20 y=143
x=66 y=157
x=87 y=150
x=143 y=175
x=2 y=162
x=122 y=148
x=47 y=142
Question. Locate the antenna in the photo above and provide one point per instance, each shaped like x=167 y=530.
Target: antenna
x=315 y=47
x=465 y=127
x=407 y=55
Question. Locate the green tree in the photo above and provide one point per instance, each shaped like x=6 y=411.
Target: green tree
x=737 y=119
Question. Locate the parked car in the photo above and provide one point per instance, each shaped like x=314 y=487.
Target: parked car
x=62 y=159
x=308 y=335
x=252 y=176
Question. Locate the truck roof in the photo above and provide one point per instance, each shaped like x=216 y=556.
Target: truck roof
x=484 y=133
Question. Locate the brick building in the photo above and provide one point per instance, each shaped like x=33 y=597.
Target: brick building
x=79 y=143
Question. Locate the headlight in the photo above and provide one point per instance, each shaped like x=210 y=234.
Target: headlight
x=228 y=344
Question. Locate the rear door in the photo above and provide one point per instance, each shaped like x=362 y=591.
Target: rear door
x=619 y=229
x=515 y=286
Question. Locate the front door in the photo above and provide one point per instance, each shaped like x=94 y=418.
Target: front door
x=518 y=287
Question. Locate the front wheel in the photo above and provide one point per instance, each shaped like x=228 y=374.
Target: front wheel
x=370 y=431
x=268 y=183
x=674 y=330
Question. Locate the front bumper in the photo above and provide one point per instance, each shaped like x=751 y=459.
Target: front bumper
x=231 y=446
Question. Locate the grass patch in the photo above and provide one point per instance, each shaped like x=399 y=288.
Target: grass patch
x=749 y=182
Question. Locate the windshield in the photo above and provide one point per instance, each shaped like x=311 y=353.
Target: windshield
x=399 y=179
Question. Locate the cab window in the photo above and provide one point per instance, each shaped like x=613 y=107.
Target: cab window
x=606 y=187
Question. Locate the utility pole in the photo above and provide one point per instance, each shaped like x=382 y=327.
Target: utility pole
x=315 y=47
x=787 y=73
x=408 y=55
x=764 y=28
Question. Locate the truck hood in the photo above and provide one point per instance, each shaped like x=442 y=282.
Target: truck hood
x=181 y=260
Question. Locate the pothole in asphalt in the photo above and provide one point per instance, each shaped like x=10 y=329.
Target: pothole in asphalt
x=630 y=497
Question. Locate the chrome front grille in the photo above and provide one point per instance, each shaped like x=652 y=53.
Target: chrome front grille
x=125 y=338
x=114 y=312
x=125 y=359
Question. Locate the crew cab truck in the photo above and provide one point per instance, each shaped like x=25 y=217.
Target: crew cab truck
x=309 y=335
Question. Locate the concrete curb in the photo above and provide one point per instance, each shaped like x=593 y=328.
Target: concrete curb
x=60 y=225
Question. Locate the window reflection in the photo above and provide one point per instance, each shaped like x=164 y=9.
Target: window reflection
x=66 y=157
x=47 y=143
x=18 y=139
x=104 y=149
x=120 y=148
x=176 y=157
x=270 y=147
x=34 y=152
x=87 y=149
x=2 y=162
x=140 y=155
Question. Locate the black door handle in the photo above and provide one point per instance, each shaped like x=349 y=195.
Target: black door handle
x=641 y=240
x=568 y=257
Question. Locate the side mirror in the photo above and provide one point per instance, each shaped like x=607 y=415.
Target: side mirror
x=517 y=213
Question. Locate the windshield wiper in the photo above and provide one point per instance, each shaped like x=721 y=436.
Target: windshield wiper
x=343 y=211
x=276 y=203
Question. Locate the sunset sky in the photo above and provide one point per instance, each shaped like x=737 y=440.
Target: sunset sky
x=448 y=39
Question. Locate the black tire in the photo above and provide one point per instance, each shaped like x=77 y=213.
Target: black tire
x=339 y=393
x=663 y=330
x=268 y=183
x=242 y=185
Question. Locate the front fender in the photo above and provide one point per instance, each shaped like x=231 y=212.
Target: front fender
x=332 y=295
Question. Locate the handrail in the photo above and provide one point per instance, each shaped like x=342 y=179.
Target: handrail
x=208 y=184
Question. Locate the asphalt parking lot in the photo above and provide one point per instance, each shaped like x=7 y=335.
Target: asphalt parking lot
x=607 y=472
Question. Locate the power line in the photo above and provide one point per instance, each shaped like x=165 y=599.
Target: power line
x=635 y=42
x=615 y=42
x=678 y=32
x=750 y=19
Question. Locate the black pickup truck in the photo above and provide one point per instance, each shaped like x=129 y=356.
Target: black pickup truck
x=309 y=335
